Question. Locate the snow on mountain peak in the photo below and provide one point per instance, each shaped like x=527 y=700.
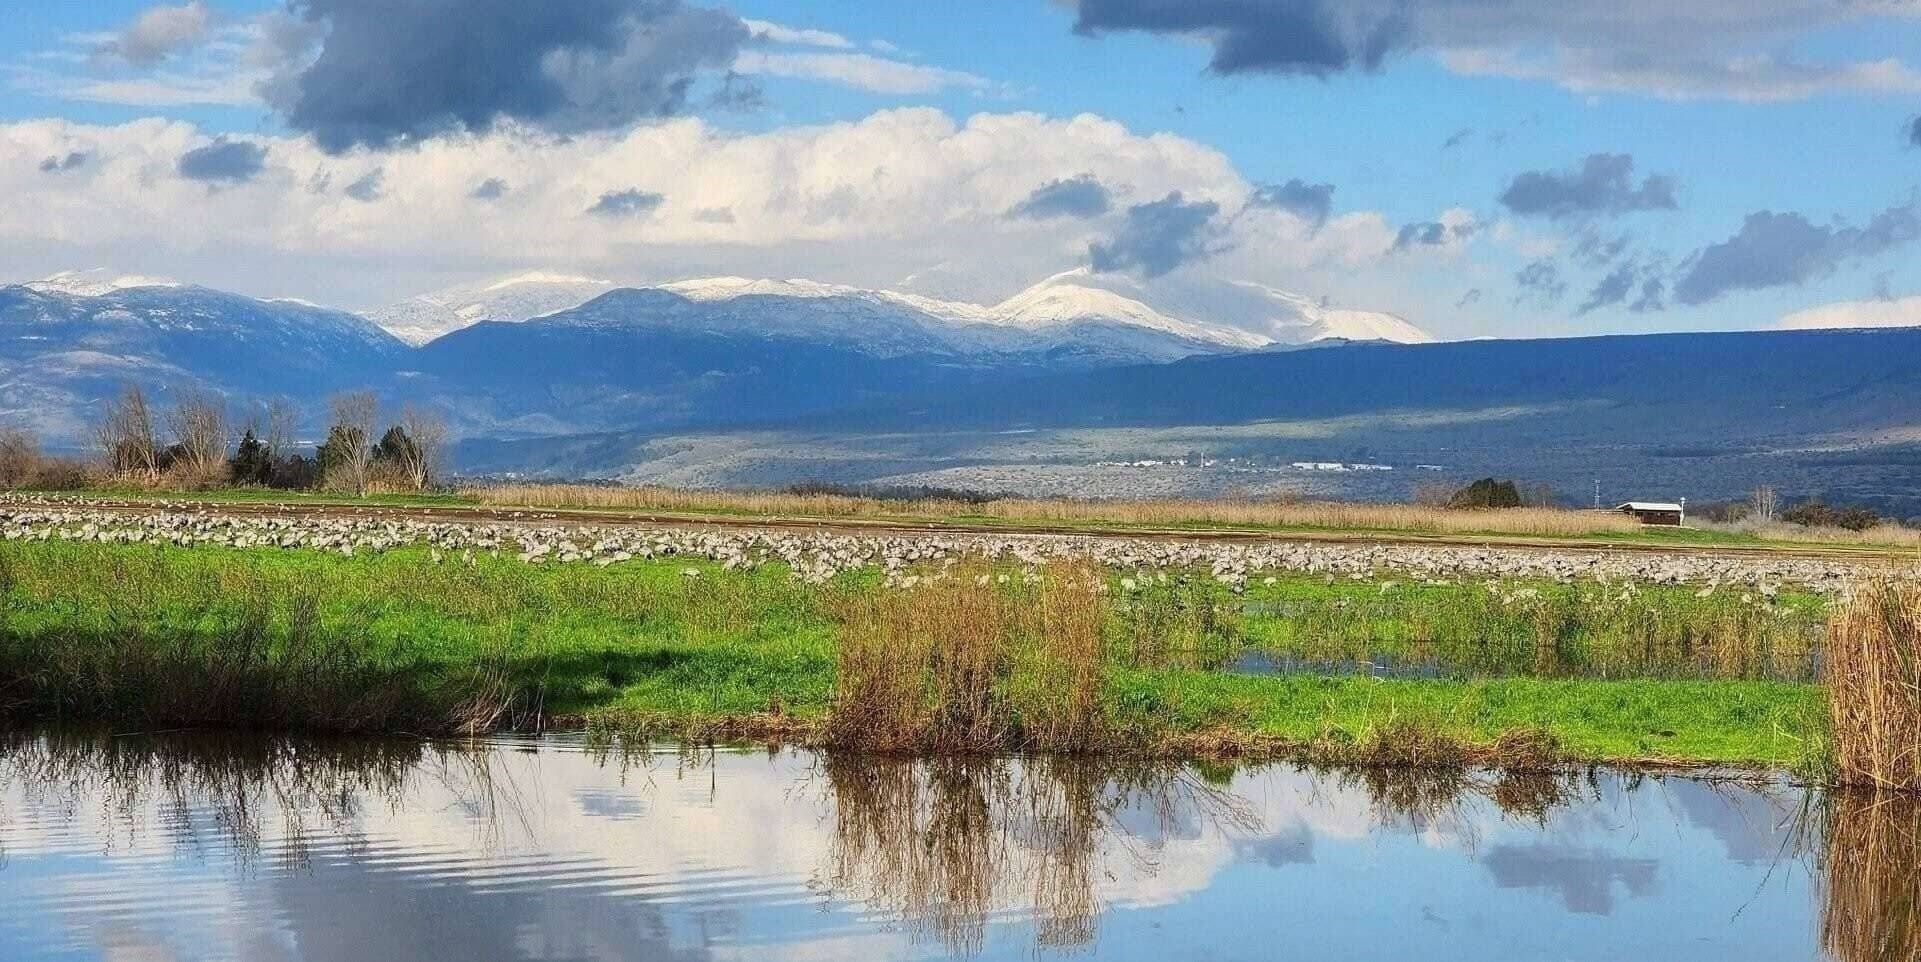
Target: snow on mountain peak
x=1218 y=314
x=95 y=282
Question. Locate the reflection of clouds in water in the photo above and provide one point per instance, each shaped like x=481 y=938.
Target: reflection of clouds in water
x=557 y=853
x=1753 y=826
x=1584 y=879
x=1292 y=847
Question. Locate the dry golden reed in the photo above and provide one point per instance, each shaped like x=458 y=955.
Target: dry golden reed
x=970 y=663
x=1874 y=685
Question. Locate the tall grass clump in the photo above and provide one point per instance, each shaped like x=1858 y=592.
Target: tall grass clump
x=973 y=660
x=1874 y=685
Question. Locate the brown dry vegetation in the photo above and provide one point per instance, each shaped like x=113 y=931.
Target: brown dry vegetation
x=1252 y=513
x=1874 y=686
x=1871 y=889
x=961 y=665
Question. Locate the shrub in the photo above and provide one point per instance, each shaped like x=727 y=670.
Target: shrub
x=1487 y=493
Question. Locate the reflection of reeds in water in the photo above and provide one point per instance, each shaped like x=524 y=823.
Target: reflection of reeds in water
x=1874 y=689
x=947 y=843
x=242 y=781
x=1871 y=890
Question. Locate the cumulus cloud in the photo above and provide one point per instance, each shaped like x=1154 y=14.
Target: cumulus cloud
x=1781 y=249
x=159 y=32
x=60 y=164
x=872 y=201
x=493 y=188
x=1602 y=185
x=381 y=74
x=1312 y=203
x=1158 y=237
x=1079 y=196
x=1311 y=37
x=632 y=202
x=1709 y=48
x=223 y=161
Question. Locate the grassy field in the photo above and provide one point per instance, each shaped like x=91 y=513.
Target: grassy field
x=153 y=637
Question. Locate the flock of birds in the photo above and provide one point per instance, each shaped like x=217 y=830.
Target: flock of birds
x=819 y=556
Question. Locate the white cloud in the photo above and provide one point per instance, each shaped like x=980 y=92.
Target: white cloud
x=159 y=32
x=798 y=36
x=1894 y=312
x=1745 y=78
x=858 y=70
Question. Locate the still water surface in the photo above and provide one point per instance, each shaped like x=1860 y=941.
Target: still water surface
x=198 y=847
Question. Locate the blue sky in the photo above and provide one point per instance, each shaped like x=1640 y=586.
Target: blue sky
x=1784 y=106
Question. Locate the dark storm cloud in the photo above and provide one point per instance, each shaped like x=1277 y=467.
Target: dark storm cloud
x=1603 y=184
x=626 y=203
x=223 y=161
x=1158 y=237
x=1778 y=249
x=375 y=73
x=1310 y=202
x=493 y=188
x=1597 y=250
x=1540 y=281
x=58 y=164
x=1306 y=37
x=370 y=187
x=1081 y=196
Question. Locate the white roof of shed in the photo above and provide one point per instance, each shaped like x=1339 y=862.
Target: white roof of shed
x=1647 y=506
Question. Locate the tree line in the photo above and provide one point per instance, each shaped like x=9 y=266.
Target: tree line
x=198 y=441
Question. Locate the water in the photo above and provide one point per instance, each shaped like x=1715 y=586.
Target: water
x=189 y=848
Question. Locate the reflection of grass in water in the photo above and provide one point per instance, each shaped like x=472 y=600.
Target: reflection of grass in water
x=1871 y=885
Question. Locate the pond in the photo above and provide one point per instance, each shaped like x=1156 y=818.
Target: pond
x=233 y=847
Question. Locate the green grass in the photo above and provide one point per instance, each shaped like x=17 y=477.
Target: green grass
x=91 y=631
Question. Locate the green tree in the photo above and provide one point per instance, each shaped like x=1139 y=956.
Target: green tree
x=251 y=463
x=1487 y=493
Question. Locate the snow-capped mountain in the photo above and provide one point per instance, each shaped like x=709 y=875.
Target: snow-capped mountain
x=521 y=297
x=1110 y=315
x=70 y=340
x=95 y=282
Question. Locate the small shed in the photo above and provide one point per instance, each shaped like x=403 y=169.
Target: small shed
x=1656 y=512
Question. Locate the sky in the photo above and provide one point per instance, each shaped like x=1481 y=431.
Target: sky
x=1481 y=167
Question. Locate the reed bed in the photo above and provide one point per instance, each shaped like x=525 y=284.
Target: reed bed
x=1874 y=690
x=966 y=663
x=1547 y=522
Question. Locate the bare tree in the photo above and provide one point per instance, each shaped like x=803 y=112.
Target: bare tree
x=198 y=424
x=125 y=434
x=420 y=459
x=282 y=421
x=19 y=458
x=1764 y=502
x=347 y=456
